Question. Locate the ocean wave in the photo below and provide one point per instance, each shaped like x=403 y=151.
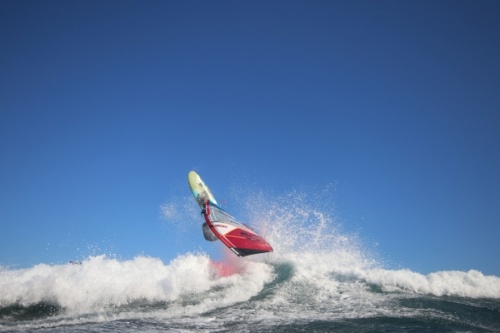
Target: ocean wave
x=317 y=273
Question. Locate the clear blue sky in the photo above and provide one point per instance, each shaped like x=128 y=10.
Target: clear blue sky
x=106 y=105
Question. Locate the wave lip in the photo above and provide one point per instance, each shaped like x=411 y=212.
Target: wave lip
x=472 y=284
x=100 y=282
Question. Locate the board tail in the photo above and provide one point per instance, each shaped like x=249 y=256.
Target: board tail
x=200 y=190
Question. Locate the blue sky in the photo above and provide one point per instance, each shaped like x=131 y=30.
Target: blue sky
x=106 y=105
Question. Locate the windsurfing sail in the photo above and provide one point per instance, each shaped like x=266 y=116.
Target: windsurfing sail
x=237 y=236
x=219 y=224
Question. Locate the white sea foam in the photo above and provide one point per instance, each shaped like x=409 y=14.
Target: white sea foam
x=451 y=283
x=100 y=283
x=316 y=271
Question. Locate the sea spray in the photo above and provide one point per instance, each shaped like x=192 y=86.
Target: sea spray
x=296 y=223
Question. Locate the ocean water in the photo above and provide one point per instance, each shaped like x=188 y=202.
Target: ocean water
x=319 y=279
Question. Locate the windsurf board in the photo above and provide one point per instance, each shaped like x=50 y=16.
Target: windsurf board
x=219 y=224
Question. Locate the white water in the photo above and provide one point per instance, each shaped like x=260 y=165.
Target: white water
x=189 y=286
x=314 y=267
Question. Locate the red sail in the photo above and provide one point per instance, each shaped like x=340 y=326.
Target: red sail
x=240 y=238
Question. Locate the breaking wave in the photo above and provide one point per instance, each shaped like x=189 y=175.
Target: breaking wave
x=330 y=278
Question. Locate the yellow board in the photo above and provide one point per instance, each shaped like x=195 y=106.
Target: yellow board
x=200 y=190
